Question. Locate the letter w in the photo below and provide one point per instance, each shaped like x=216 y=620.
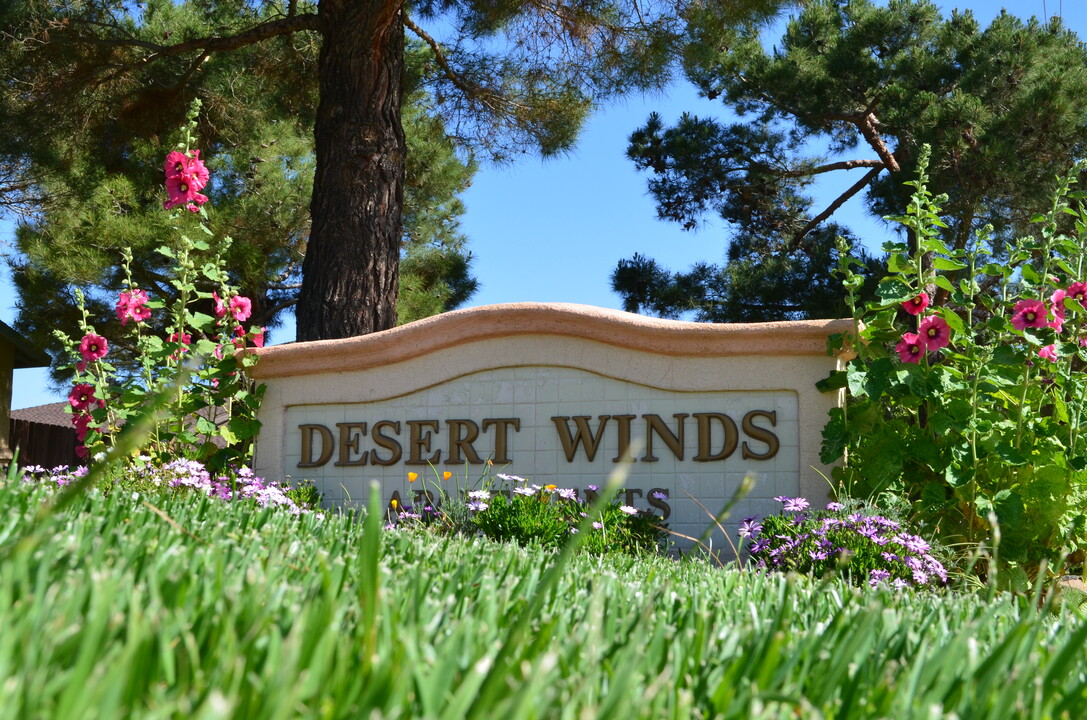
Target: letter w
x=583 y=437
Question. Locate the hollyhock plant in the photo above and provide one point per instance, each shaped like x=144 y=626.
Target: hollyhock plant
x=992 y=427
x=208 y=405
x=1029 y=313
x=911 y=348
x=93 y=347
x=916 y=305
x=935 y=332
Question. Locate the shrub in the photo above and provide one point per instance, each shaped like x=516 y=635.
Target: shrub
x=864 y=546
x=509 y=508
x=145 y=475
x=967 y=394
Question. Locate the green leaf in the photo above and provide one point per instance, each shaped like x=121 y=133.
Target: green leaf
x=1031 y=275
x=893 y=290
x=1009 y=508
x=228 y=435
x=952 y=319
x=835 y=381
x=202 y=322
x=1008 y=355
x=1010 y=454
x=958 y=475
x=996 y=270
x=942 y=282
x=942 y=263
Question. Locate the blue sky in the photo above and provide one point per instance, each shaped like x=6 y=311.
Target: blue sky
x=553 y=230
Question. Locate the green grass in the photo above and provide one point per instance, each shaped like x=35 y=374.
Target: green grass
x=223 y=611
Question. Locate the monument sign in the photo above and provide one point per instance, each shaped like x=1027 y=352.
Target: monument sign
x=559 y=394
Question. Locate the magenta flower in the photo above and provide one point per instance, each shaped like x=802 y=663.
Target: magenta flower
x=182 y=191
x=258 y=337
x=241 y=308
x=132 y=304
x=185 y=177
x=178 y=163
x=936 y=332
x=82 y=422
x=1029 y=313
x=1078 y=291
x=92 y=347
x=1049 y=352
x=917 y=305
x=220 y=306
x=1057 y=323
x=82 y=396
x=911 y=348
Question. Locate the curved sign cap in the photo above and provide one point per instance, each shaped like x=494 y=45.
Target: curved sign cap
x=559 y=394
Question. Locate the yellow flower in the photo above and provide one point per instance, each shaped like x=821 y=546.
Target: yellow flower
x=550 y=487
x=446 y=475
x=412 y=477
x=393 y=503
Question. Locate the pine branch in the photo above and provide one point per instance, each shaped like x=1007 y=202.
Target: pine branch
x=830 y=167
x=853 y=190
x=255 y=34
x=871 y=134
x=439 y=56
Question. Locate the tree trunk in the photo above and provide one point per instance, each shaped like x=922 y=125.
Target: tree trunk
x=350 y=272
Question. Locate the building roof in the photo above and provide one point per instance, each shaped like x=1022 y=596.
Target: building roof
x=51 y=414
x=26 y=355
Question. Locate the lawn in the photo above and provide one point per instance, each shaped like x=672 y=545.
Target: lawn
x=179 y=605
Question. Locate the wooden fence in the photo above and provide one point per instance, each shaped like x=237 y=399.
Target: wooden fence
x=44 y=445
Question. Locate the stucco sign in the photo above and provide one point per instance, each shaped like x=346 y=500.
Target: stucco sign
x=559 y=394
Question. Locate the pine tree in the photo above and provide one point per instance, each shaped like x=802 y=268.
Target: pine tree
x=96 y=171
x=1004 y=110
x=509 y=76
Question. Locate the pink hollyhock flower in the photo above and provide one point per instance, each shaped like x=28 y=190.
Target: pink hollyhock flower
x=1078 y=291
x=241 y=308
x=92 y=347
x=133 y=305
x=182 y=190
x=917 y=305
x=911 y=348
x=82 y=452
x=256 y=335
x=1029 y=313
x=1049 y=352
x=935 y=331
x=1057 y=323
x=182 y=339
x=178 y=163
x=220 y=306
x=82 y=424
x=82 y=396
